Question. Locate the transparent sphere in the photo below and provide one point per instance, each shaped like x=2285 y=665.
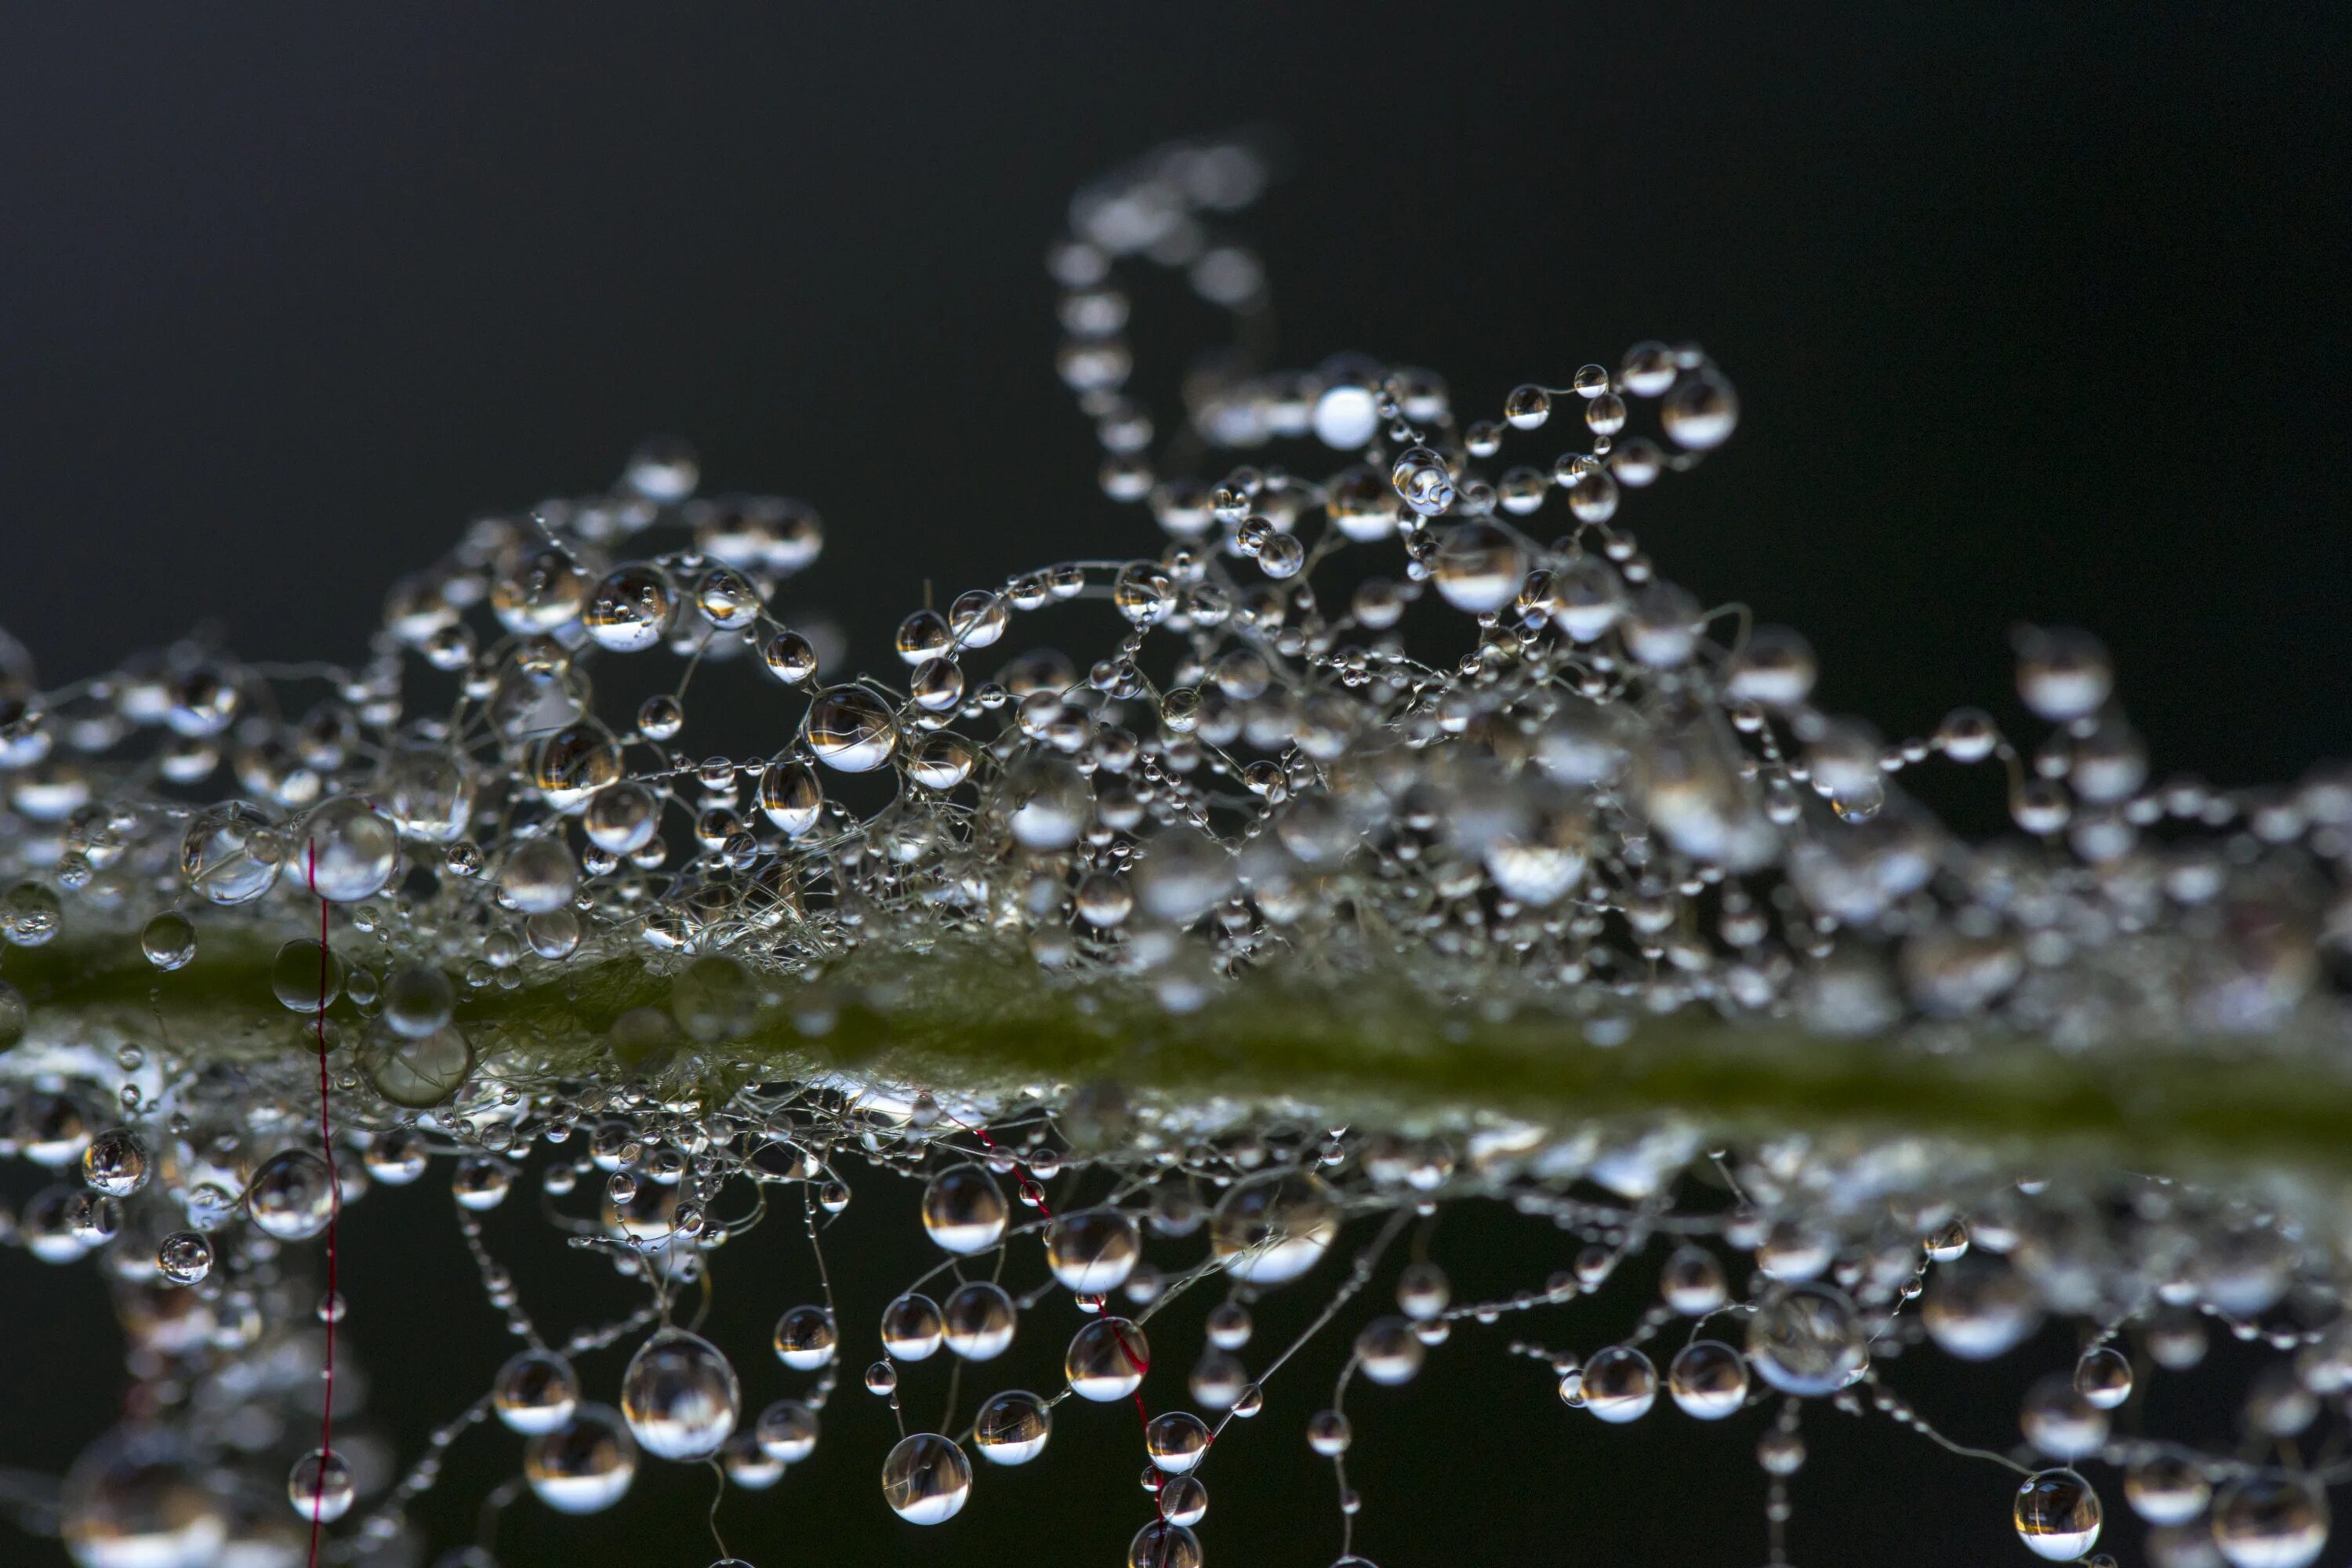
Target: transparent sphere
x=679 y=1396
x=395 y=1156
x=480 y=1182
x=419 y=1072
x=1620 y=1385
x=926 y=1479
x=1345 y=417
x=805 y=1338
x=630 y=609
x=979 y=1318
x=1229 y=1325
x=535 y=1391
x=430 y=794
x=137 y=1498
x=168 y=940
x=584 y=1465
x=911 y=1329
x=1274 y=1228
x=2057 y=1515
x=1011 y=1427
x=791 y=796
x=2270 y=1520
x=1093 y=1251
x=1175 y=1440
x=2104 y=1377
x=964 y=1209
x=1329 y=1433
x=2060 y=1422
x=346 y=850
x=1478 y=567
x=664 y=469
x=787 y=1431
x=538 y=875
x=115 y=1162
x=1107 y=1359
x=293 y=1195
x=1977 y=1309
x=1701 y=412
x=183 y=1258
x=320 y=1486
x=1806 y=1340
x=1388 y=1352
x=2162 y=1489
x=2062 y=674
x=790 y=657
x=1692 y=1281
x=1183 y=1500
x=417 y=1000
x=1709 y=1380
x=228 y=853
x=850 y=728
x=1163 y=1544
x=574 y=763
x=537 y=591
x=751 y=1466
x=306 y=977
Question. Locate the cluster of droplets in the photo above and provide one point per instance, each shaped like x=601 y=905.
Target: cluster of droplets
x=1787 y=1282
x=1601 y=799
x=1611 y=801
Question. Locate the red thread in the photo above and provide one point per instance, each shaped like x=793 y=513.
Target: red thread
x=1034 y=1194
x=335 y=1187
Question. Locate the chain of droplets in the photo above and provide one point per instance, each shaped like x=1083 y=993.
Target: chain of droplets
x=1608 y=804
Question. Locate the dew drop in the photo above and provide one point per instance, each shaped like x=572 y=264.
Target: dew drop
x=926 y=1479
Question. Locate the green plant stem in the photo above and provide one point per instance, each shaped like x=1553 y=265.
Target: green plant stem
x=971 y=1018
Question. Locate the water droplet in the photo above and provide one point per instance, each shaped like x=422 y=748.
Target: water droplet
x=306 y=977
x=584 y=1465
x=1387 y=1352
x=347 y=850
x=1709 y=1380
x=787 y=1431
x=2104 y=1377
x=320 y=1486
x=2270 y=1520
x=805 y=1338
x=926 y=1479
x=847 y=728
x=1620 y=1385
x=679 y=1396
x=168 y=940
x=1011 y=1427
x=2057 y=1515
x=2163 y=1489
x=1274 y=1228
x=1806 y=1340
x=1176 y=1440
x=1093 y=1251
x=1701 y=412
x=115 y=1162
x=535 y=1391
x=185 y=1258
x=630 y=609
x=911 y=1329
x=1478 y=567
x=980 y=1319
x=293 y=1195
x=1163 y=1544
x=1106 y=1359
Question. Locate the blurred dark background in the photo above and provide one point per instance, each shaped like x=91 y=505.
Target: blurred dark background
x=2036 y=312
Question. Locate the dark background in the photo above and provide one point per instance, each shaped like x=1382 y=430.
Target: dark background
x=2035 y=313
